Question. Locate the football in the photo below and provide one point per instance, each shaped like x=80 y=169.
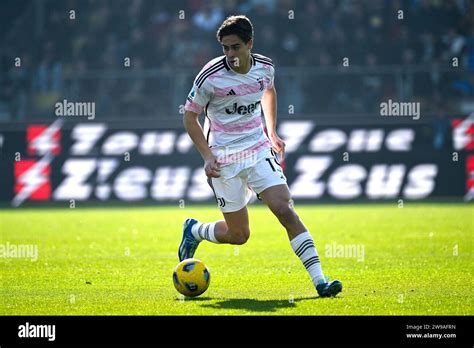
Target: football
x=191 y=277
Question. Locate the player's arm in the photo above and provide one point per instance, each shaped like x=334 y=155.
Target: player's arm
x=194 y=129
x=269 y=105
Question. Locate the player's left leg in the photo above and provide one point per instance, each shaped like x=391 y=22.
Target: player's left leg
x=279 y=201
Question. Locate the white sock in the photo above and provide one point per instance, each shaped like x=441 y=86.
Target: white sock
x=205 y=231
x=304 y=248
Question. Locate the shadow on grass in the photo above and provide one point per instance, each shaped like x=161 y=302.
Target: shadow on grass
x=194 y=299
x=254 y=305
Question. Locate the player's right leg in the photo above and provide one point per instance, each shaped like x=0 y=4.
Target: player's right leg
x=235 y=229
x=232 y=196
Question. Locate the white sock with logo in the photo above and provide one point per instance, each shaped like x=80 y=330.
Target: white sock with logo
x=304 y=248
x=205 y=231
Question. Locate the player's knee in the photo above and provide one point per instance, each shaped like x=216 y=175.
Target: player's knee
x=241 y=236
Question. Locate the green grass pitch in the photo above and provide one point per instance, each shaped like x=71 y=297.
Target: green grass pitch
x=417 y=260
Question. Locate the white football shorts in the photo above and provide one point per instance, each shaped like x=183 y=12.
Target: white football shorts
x=234 y=192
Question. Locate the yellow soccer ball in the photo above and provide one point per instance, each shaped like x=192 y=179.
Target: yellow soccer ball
x=191 y=277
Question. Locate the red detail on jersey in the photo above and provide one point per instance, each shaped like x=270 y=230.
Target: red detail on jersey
x=43 y=189
x=52 y=143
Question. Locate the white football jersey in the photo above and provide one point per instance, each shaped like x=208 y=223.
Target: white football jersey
x=232 y=104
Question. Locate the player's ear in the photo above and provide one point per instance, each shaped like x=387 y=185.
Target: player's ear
x=250 y=44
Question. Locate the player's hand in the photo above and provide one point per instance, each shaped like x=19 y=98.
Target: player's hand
x=278 y=145
x=212 y=167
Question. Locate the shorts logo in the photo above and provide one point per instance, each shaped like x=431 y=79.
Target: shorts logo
x=221 y=202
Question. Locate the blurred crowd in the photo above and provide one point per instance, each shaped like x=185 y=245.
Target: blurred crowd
x=79 y=49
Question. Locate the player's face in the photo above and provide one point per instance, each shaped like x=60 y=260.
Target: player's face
x=236 y=51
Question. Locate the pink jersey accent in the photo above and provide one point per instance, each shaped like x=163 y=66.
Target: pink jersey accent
x=241 y=127
x=224 y=159
x=194 y=107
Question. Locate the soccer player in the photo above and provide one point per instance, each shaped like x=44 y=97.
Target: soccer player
x=232 y=90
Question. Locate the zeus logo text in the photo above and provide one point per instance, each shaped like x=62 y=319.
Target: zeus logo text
x=242 y=109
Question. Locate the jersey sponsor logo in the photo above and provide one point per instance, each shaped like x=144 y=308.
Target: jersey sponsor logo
x=242 y=109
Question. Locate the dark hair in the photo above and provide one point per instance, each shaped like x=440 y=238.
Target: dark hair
x=236 y=25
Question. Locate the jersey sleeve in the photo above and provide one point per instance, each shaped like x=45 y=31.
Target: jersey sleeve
x=271 y=77
x=198 y=97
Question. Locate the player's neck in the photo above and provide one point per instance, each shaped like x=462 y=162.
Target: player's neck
x=242 y=69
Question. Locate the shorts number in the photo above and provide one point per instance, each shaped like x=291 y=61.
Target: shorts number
x=270 y=163
x=275 y=157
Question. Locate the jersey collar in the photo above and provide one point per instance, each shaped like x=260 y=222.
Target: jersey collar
x=252 y=63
